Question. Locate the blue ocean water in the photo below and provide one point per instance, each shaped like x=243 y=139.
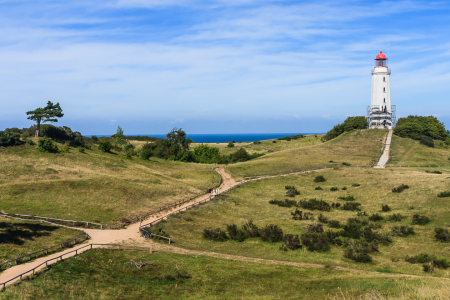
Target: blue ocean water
x=228 y=137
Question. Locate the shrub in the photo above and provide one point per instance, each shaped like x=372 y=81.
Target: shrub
x=104 y=146
x=433 y=172
x=362 y=214
x=336 y=205
x=230 y=145
x=129 y=153
x=403 y=231
x=416 y=127
x=344 y=188
x=351 y=206
x=322 y=219
x=317 y=228
x=334 y=224
x=442 y=235
x=420 y=258
x=376 y=218
x=395 y=218
x=274 y=142
x=65 y=148
x=285 y=203
x=47 y=145
x=420 y=220
x=346 y=164
x=385 y=208
x=314 y=241
x=400 y=188
x=147 y=150
x=291 y=241
x=308 y=216
x=250 y=229
x=9 y=139
x=356 y=184
x=319 y=178
x=271 y=233
x=444 y=194
x=347 y=198
x=128 y=146
x=352 y=229
x=215 y=234
x=314 y=204
x=291 y=191
x=333 y=189
x=94 y=138
x=358 y=252
x=30 y=142
x=427 y=141
x=81 y=149
x=318 y=188
x=236 y=233
x=297 y=214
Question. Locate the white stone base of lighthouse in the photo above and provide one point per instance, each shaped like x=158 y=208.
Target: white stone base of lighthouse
x=380 y=120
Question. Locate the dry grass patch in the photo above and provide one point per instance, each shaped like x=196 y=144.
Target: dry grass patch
x=307 y=140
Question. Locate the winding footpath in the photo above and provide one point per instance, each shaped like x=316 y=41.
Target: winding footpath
x=385 y=156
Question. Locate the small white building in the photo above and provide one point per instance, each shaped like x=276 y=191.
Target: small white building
x=380 y=113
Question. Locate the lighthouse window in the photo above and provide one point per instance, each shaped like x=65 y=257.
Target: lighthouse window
x=384 y=100
x=384 y=79
x=384 y=89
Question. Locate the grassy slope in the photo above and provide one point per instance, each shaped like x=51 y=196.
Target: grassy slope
x=308 y=140
x=224 y=150
x=357 y=148
x=94 y=186
x=107 y=274
x=18 y=238
x=405 y=151
x=251 y=202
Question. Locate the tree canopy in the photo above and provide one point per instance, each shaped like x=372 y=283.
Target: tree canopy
x=416 y=127
x=349 y=124
x=49 y=113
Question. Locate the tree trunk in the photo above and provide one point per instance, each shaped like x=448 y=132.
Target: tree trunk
x=37 y=128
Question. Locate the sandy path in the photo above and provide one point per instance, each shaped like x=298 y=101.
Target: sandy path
x=385 y=156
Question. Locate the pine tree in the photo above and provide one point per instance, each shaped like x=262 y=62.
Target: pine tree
x=47 y=114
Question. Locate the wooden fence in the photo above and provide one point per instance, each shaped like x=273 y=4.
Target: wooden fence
x=65 y=244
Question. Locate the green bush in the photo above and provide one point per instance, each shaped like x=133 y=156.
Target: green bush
x=271 y=233
x=291 y=191
x=352 y=206
x=129 y=153
x=230 y=145
x=346 y=164
x=433 y=171
x=427 y=141
x=291 y=242
x=47 y=145
x=314 y=241
x=358 y=251
x=316 y=228
x=319 y=178
x=385 y=208
x=376 y=218
x=215 y=234
x=30 y=142
x=336 y=205
x=416 y=127
x=128 y=146
x=81 y=149
x=104 y=146
x=285 y=203
x=356 y=184
x=236 y=233
x=297 y=214
x=349 y=124
x=400 y=188
x=395 y=218
x=250 y=229
x=347 y=198
x=9 y=139
x=334 y=224
x=403 y=231
x=444 y=194
x=420 y=220
x=334 y=189
x=318 y=188
x=442 y=235
x=314 y=204
x=322 y=219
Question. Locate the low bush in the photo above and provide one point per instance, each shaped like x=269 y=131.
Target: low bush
x=299 y=215
x=65 y=148
x=347 y=198
x=215 y=234
x=317 y=228
x=81 y=149
x=433 y=172
x=376 y=218
x=336 y=205
x=230 y=145
x=128 y=146
x=250 y=229
x=47 y=145
x=319 y=178
x=333 y=189
x=442 y=235
x=358 y=251
x=274 y=142
x=271 y=233
x=396 y=218
x=385 y=208
x=318 y=188
x=314 y=204
x=235 y=233
x=30 y=142
x=344 y=188
x=291 y=242
x=356 y=184
x=9 y=139
x=314 y=241
x=420 y=219
x=352 y=206
x=285 y=203
x=334 y=224
x=291 y=191
x=400 y=188
x=322 y=219
x=427 y=141
x=129 y=154
x=362 y=214
x=346 y=164
x=403 y=231
x=104 y=146
x=421 y=258
x=444 y=194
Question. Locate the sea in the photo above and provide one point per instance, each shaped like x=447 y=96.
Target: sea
x=227 y=137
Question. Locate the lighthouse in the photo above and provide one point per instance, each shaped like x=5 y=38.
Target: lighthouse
x=380 y=113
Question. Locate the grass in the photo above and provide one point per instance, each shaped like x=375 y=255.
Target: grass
x=224 y=150
x=308 y=140
x=357 y=148
x=19 y=237
x=251 y=201
x=107 y=274
x=405 y=151
x=94 y=186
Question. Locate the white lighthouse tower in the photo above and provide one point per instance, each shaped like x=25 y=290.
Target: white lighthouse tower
x=381 y=114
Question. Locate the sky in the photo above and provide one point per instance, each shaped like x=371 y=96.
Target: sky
x=219 y=66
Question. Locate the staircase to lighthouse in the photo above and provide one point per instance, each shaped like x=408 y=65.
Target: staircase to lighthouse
x=380 y=113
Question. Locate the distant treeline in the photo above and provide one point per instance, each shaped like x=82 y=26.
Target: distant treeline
x=349 y=124
x=292 y=137
x=143 y=138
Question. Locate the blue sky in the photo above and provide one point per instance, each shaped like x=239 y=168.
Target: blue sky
x=234 y=66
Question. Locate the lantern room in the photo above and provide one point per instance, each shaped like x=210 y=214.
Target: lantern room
x=381 y=60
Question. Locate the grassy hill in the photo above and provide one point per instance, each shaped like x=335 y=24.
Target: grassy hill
x=307 y=140
x=406 y=151
x=359 y=147
x=93 y=186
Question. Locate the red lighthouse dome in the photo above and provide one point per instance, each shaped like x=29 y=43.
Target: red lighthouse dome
x=381 y=56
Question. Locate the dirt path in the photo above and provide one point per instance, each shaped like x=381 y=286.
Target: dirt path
x=385 y=156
